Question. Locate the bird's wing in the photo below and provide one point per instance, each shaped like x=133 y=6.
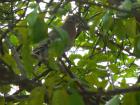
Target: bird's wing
x=42 y=46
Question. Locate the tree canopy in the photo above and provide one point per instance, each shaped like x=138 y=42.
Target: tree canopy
x=101 y=68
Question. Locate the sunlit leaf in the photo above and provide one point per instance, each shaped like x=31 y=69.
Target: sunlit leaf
x=14 y=40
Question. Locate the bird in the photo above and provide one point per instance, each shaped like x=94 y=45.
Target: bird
x=55 y=44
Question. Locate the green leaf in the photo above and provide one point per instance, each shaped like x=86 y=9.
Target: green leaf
x=92 y=79
x=72 y=57
x=26 y=57
x=114 y=68
x=38 y=30
x=32 y=17
x=5 y=89
x=10 y=61
x=137 y=46
x=130 y=27
x=127 y=4
x=76 y=99
x=59 y=44
x=138 y=98
x=37 y=26
x=107 y=21
x=14 y=40
x=2 y=101
x=114 y=101
x=62 y=11
x=130 y=99
x=37 y=96
x=118 y=29
x=10 y=103
x=60 y=97
x=63 y=34
x=22 y=30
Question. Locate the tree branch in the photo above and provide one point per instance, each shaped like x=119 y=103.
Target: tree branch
x=115 y=91
x=104 y=6
x=82 y=89
x=14 y=52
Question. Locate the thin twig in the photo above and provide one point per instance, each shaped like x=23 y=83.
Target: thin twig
x=16 y=57
x=105 y=6
x=82 y=89
x=14 y=52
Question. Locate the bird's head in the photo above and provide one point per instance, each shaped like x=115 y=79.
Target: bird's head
x=77 y=21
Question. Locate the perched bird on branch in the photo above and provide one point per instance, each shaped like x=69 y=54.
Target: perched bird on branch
x=60 y=39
